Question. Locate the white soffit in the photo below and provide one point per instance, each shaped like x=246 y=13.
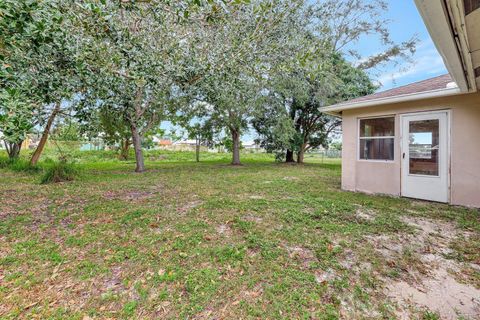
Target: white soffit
x=438 y=24
x=464 y=39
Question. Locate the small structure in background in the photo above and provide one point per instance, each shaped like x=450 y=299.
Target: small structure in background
x=252 y=146
x=184 y=145
x=164 y=143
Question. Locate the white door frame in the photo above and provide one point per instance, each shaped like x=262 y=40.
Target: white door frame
x=403 y=146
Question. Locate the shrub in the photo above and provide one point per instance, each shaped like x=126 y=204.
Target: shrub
x=59 y=171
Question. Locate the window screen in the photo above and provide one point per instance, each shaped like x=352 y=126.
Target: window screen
x=377 y=137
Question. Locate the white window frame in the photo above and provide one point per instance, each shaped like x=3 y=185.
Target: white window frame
x=382 y=137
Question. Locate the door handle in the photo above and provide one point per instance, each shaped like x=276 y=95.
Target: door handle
x=403 y=156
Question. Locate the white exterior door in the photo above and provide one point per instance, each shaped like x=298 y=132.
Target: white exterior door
x=425 y=156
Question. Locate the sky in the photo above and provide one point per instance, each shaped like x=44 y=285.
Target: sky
x=405 y=22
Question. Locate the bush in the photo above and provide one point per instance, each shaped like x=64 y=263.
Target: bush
x=59 y=172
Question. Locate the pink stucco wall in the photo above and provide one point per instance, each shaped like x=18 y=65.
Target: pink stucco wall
x=385 y=177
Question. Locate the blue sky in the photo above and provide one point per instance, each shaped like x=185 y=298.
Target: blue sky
x=405 y=22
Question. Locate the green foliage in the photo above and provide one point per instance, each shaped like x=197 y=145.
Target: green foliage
x=37 y=55
x=240 y=52
x=59 y=171
x=227 y=143
x=67 y=131
x=296 y=98
x=16 y=119
x=275 y=128
x=132 y=64
x=337 y=145
x=317 y=73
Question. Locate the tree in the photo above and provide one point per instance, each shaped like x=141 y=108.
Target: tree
x=314 y=127
x=318 y=73
x=127 y=74
x=231 y=104
x=195 y=117
x=116 y=131
x=240 y=51
x=112 y=127
x=342 y=23
x=16 y=109
x=275 y=128
x=39 y=52
x=297 y=97
x=135 y=58
x=68 y=130
x=335 y=145
x=16 y=115
x=203 y=133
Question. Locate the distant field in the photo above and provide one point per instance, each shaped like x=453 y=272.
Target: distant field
x=211 y=241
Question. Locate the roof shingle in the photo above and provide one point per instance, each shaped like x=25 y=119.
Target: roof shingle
x=435 y=83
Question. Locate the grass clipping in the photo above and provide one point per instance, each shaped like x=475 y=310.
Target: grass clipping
x=59 y=172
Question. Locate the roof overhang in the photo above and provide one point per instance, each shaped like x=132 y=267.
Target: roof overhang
x=445 y=22
x=336 y=109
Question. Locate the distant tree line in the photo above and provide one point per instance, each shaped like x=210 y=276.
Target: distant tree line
x=118 y=68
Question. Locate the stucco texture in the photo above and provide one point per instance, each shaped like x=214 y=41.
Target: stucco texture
x=385 y=176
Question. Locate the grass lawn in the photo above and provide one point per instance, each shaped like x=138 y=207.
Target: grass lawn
x=212 y=241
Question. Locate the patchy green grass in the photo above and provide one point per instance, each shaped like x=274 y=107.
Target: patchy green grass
x=208 y=240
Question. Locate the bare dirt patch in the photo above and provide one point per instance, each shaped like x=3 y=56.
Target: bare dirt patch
x=428 y=279
x=304 y=255
x=365 y=214
x=114 y=281
x=224 y=230
x=325 y=276
x=252 y=218
x=439 y=292
x=189 y=206
x=249 y=295
x=291 y=178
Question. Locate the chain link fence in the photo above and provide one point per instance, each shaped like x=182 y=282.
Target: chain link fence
x=324 y=155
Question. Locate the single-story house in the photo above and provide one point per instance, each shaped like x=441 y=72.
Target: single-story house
x=420 y=140
x=252 y=146
x=162 y=143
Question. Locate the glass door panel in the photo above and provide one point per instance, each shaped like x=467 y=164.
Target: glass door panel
x=424 y=147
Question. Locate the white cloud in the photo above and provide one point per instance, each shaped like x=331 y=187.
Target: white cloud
x=427 y=63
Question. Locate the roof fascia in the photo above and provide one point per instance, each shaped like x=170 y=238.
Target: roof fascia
x=337 y=108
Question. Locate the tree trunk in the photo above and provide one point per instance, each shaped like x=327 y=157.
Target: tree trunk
x=289 y=157
x=124 y=149
x=301 y=153
x=235 y=147
x=137 y=145
x=43 y=140
x=13 y=149
x=197 y=150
